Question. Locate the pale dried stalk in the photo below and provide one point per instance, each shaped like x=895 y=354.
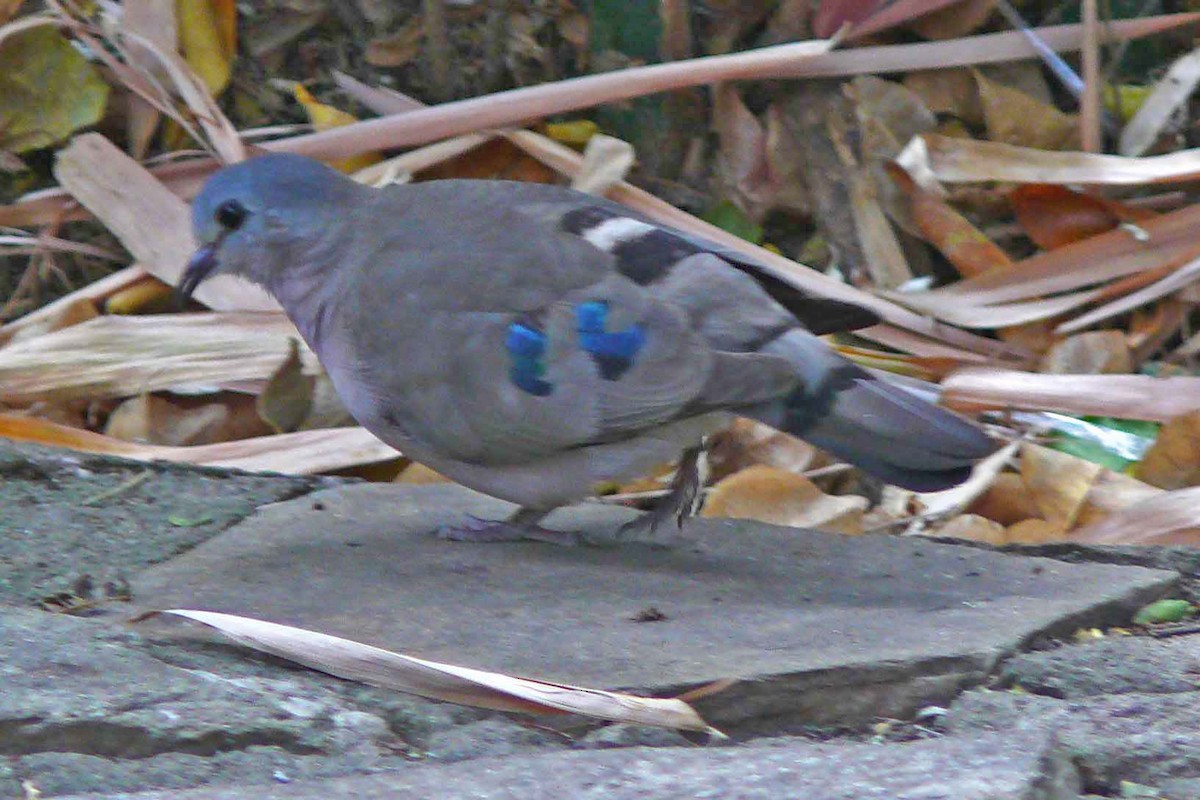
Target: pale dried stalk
x=378 y=667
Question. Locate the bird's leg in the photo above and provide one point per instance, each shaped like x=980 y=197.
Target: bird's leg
x=679 y=503
x=521 y=526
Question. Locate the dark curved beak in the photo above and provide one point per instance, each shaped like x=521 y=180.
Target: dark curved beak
x=203 y=262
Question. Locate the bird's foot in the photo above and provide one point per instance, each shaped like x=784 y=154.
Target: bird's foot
x=517 y=528
x=654 y=527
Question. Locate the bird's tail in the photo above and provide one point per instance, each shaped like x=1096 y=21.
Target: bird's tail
x=876 y=426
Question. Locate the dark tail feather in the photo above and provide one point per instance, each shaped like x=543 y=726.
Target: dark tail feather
x=878 y=427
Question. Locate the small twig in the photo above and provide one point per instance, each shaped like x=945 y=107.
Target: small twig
x=121 y=488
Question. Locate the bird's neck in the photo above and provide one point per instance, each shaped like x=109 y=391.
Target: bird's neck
x=307 y=285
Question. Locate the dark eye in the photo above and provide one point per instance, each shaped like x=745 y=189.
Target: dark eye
x=230 y=215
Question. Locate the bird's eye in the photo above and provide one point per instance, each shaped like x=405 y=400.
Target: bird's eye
x=230 y=215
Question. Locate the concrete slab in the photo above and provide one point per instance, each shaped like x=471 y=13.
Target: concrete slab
x=63 y=514
x=1114 y=665
x=991 y=767
x=1149 y=739
x=820 y=628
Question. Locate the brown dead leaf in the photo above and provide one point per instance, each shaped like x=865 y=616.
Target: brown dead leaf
x=1173 y=461
x=419 y=474
x=1054 y=216
x=397 y=49
x=1015 y=118
x=287 y=398
x=774 y=495
x=185 y=421
x=1007 y=500
x=971 y=527
x=1036 y=531
x=948 y=91
x=1058 y=483
x=953 y=21
x=1112 y=492
x=746 y=443
x=1168 y=518
x=1090 y=353
x=742 y=153
x=963 y=245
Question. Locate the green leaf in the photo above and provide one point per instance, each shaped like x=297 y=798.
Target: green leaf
x=1088 y=451
x=49 y=89
x=180 y=521
x=728 y=217
x=1164 y=611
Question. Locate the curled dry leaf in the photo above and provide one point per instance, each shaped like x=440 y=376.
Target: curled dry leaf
x=971 y=527
x=1058 y=483
x=288 y=396
x=1007 y=501
x=606 y=159
x=377 y=667
x=1054 y=216
x=746 y=443
x=1168 y=518
x=1173 y=462
x=185 y=421
x=1170 y=93
x=1036 y=531
x=1016 y=118
x=769 y=494
x=963 y=245
x=300 y=453
x=1091 y=353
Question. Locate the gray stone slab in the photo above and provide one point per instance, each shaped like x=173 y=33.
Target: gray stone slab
x=63 y=514
x=819 y=628
x=1144 y=738
x=86 y=707
x=991 y=767
x=1115 y=665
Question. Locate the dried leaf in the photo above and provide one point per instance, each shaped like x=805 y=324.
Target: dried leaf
x=606 y=159
x=1015 y=118
x=1171 y=92
x=288 y=396
x=1054 y=216
x=151 y=221
x=123 y=356
x=971 y=527
x=1168 y=518
x=1057 y=483
x=963 y=245
x=372 y=665
x=397 y=49
x=1091 y=353
x=746 y=443
x=1036 y=531
x=184 y=421
x=324 y=117
x=769 y=494
x=956 y=20
x=147 y=296
x=49 y=89
x=301 y=453
x=1006 y=501
x=202 y=37
x=948 y=91
x=1173 y=462
x=977 y=389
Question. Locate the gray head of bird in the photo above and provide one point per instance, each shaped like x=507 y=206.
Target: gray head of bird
x=255 y=218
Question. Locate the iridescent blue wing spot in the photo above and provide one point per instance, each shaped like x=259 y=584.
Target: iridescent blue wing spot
x=526 y=346
x=613 y=351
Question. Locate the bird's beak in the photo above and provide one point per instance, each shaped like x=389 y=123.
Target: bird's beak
x=201 y=265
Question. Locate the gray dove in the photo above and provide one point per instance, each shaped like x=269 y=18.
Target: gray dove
x=531 y=342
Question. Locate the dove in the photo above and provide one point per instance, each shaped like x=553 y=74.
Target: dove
x=531 y=342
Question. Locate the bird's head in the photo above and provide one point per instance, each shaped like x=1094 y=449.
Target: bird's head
x=253 y=218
